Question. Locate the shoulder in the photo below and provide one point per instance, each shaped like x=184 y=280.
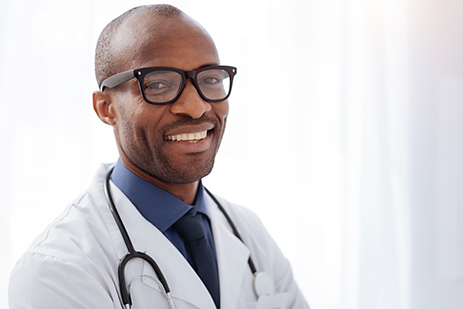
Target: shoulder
x=243 y=215
x=74 y=253
x=251 y=229
x=80 y=225
x=83 y=224
x=246 y=221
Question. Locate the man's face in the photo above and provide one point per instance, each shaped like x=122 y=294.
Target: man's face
x=175 y=143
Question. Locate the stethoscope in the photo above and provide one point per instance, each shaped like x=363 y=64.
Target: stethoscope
x=263 y=283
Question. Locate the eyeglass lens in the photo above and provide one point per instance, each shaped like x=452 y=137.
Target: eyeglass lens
x=164 y=85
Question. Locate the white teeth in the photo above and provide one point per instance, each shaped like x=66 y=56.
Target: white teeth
x=187 y=137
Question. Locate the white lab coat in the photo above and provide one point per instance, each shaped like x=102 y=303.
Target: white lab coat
x=73 y=263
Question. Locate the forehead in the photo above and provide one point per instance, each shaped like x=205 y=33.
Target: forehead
x=145 y=40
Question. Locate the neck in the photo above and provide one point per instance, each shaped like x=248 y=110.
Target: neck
x=185 y=192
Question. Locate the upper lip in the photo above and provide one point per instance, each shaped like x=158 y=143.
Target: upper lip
x=190 y=129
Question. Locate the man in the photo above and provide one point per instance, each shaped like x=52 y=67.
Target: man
x=164 y=92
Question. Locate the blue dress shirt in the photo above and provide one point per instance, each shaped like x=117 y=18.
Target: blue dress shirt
x=161 y=208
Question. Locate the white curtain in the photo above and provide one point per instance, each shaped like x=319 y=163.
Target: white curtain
x=344 y=135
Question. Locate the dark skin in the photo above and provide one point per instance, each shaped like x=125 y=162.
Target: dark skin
x=142 y=129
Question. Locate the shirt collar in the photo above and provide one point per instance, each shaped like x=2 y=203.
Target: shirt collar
x=156 y=205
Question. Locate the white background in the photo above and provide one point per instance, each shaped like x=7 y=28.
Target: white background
x=344 y=135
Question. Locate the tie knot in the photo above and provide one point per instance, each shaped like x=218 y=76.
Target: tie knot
x=190 y=228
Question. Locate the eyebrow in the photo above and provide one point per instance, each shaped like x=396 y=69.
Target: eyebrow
x=207 y=65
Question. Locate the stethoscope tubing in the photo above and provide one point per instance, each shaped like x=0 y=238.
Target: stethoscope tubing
x=132 y=253
x=232 y=225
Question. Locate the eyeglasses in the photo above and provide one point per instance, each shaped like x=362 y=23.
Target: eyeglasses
x=163 y=85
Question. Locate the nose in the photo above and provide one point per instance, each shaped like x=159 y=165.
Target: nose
x=190 y=103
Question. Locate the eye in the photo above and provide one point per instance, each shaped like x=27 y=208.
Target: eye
x=211 y=80
x=156 y=85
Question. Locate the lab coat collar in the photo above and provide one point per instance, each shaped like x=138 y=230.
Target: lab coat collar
x=232 y=256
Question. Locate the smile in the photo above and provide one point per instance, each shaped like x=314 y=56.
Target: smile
x=187 y=137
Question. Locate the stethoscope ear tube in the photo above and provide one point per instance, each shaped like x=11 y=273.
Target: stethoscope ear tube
x=115 y=213
x=124 y=291
x=132 y=253
x=121 y=272
x=263 y=283
x=232 y=225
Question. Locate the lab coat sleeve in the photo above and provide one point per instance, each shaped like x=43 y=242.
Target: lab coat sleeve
x=42 y=281
x=267 y=255
x=284 y=280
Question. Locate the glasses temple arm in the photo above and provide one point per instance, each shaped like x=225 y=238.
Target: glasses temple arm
x=117 y=79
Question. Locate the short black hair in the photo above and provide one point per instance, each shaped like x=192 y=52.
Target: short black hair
x=106 y=63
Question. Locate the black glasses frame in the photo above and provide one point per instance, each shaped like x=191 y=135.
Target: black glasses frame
x=139 y=74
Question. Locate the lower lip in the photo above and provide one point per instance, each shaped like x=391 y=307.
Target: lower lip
x=192 y=147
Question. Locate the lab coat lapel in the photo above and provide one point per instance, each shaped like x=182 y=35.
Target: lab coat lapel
x=182 y=279
x=232 y=257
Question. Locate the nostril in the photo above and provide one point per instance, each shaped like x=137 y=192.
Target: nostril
x=189 y=105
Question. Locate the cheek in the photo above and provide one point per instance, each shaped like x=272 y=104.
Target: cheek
x=137 y=115
x=221 y=110
x=131 y=127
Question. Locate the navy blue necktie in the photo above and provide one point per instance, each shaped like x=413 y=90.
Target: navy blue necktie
x=190 y=228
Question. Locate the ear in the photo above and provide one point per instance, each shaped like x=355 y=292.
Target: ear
x=105 y=107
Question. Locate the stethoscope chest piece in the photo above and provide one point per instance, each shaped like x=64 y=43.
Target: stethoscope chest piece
x=263 y=284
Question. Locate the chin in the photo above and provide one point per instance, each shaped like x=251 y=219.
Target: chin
x=184 y=176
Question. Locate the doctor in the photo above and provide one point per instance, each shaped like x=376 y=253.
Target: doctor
x=165 y=94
